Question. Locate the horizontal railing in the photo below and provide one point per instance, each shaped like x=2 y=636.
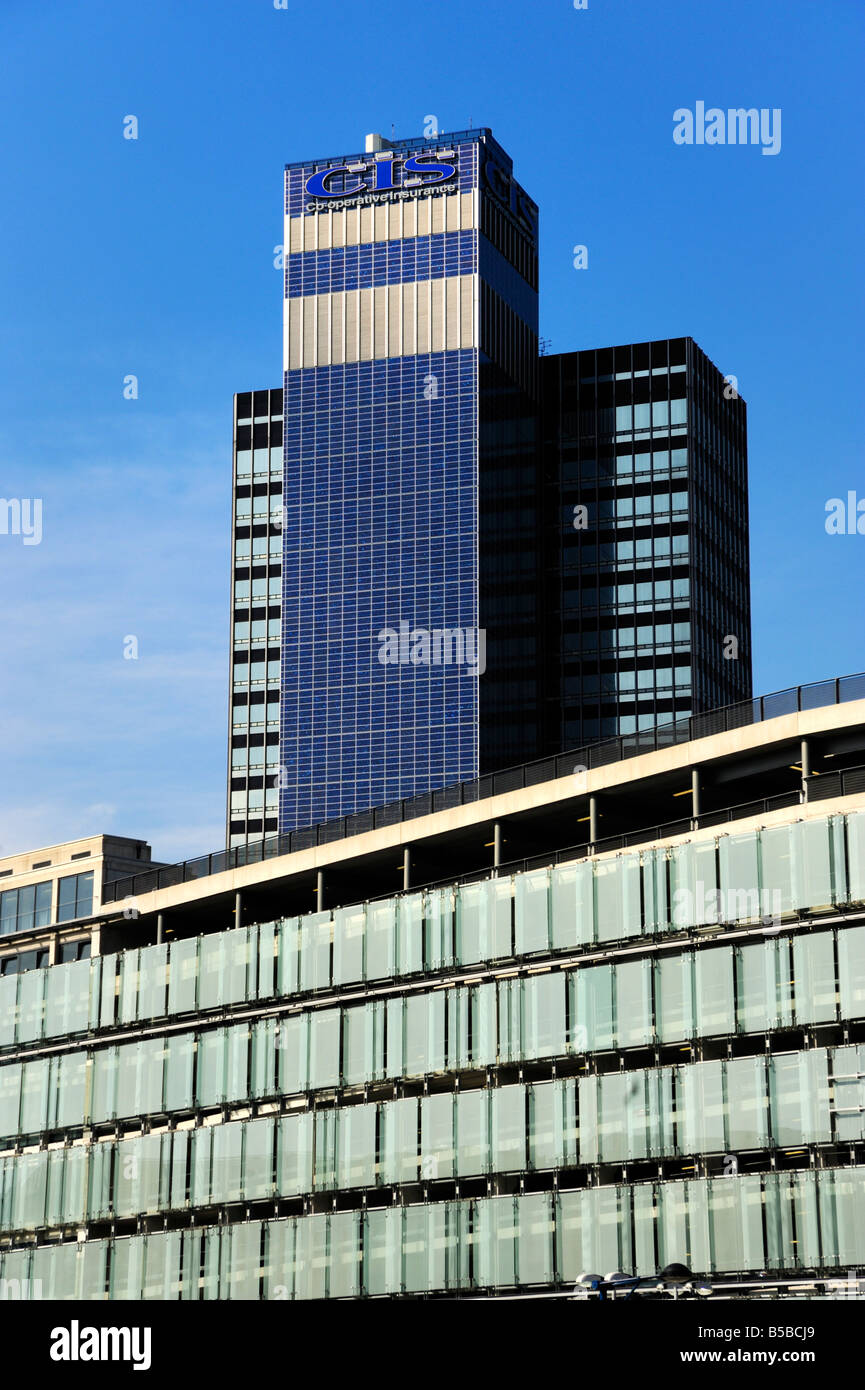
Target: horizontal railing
x=614 y=750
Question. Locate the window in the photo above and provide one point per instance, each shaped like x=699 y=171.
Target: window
x=75 y=897
x=22 y=909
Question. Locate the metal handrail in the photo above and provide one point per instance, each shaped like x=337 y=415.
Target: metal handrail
x=793 y=700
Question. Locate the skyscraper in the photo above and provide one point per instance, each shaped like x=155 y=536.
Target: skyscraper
x=647 y=595
x=410 y=355
x=451 y=555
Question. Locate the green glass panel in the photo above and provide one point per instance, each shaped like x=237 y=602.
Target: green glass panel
x=594 y=1027
x=31 y=1005
x=400 y=1121
x=424 y=1034
x=68 y=1092
x=776 y=870
x=747 y=1103
x=324 y=1049
x=35 y=1091
x=848 y=1079
x=656 y=899
x=845 y=1189
x=856 y=856
x=67 y=998
x=546 y=1124
x=309 y=1268
x=617 y=897
x=183 y=975
x=265 y=983
x=484 y=920
x=210 y=1069
x=138 y=1177
x=606 y=1230
x=544 y=1019
x=509 y=1129
x=570 y=1263
x=672 y=1225
x=129 y=968
x=740 y=877
x=532 y=912
x=162 y=1266
x=572 y=902
x=633 y=985
x=701 y=1108
x=423 y=1261
x=31 y=1178
x=104 y=1085
x=713 y=979
x=345 y=1255
x=212 y=971
x=325 y=1149
x=240 y=1263
x=494 y=1239
x=179 y=1060
x=92 y=1270
x=439 y=928
x=382 y=1251
x=644 y=1229
x=153 y=981
x=851 y=970
x=8 y=1008
x=127 y=1268
x=349 y=934
x=294 y=1154
x=359 y=1035
x=237 y=1079
x=292 y=1053
x=381 y=940
x=395 y=1016
x=535 y=1238
x=473 y=1132
x=410 y=918
x=178 y=1197
x=54 y=1271
x=357 y=1164
x=288 y=958
x=10 y=1098
x=799 y=1098
x=266 y=1036
x=813 y=876
x=437 y=1137
x=109 y=987
x=814 y=978
x=278 y=1270
x=316 y=936
x=805 y=1207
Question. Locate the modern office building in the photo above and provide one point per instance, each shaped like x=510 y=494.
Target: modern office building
x=410 y=357
x=256 y=609
x=644 y=450
x=479 y=1043
x=63 y=885
x=472 y=556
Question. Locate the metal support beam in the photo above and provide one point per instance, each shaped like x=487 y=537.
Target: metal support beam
x=406 y=868
x=695 y=794
x=805 y=760
x=593 y=820
x=319 y=890
x=238 y=909
x=497 y=844
x=159 y=928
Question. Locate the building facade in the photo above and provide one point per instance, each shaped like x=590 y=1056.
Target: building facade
x=256 y=611
x=644 y=450
x=615 y=1041
x=410 y=358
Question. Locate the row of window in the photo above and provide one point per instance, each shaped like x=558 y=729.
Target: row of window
x=757 y=875
x=771 y=1222
x=749 y=1103
x=713 y=992
x=23 y=909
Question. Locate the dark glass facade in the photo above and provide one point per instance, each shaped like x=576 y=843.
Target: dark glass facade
x=410 y=355
x=644 y=454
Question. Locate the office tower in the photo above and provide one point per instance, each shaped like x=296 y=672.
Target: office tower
x=256 y=605
x=410 y=356
x=647 y=595
x=469 y=1076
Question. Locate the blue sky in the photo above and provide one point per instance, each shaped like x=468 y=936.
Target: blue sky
x=155 y=257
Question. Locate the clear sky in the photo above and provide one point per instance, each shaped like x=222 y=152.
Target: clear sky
x=154 y=257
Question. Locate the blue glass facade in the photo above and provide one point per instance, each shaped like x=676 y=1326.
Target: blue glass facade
x=392 y=271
